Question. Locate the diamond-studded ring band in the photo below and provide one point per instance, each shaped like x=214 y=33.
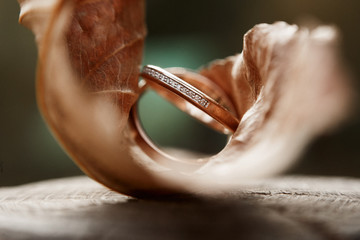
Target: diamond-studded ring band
x=187 y=96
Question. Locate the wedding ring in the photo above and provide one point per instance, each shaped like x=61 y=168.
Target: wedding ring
x=182 y=88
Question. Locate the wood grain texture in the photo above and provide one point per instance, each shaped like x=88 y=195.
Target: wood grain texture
x=277 y=208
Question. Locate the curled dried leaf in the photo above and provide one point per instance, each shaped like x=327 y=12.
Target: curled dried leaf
x=288 y=85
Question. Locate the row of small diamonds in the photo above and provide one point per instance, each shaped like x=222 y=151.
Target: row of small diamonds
x=177 y=86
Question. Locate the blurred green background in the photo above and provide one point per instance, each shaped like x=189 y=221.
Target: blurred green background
x=181 y=33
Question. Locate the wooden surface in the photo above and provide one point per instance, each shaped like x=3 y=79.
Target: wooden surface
x=279 y=208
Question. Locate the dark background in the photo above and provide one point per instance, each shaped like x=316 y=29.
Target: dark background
x=181 y=33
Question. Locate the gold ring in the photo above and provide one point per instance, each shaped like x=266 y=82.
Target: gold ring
x=181 y=87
